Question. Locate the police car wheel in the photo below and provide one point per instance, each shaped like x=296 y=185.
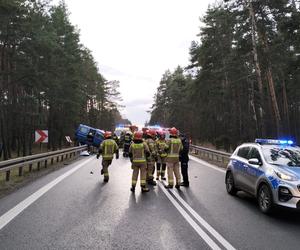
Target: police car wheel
x=265 y=199
x=230 y=184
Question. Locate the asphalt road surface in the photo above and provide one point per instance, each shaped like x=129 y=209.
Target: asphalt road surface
x=73 y=209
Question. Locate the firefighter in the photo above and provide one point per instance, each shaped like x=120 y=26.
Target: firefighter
x=161 y=146
x=151 y=137
x=145 y=130
x=116 y=139
x=127 y=142
x=138 y=153
x=107 y=148
x=184 y=160
x=172 y=160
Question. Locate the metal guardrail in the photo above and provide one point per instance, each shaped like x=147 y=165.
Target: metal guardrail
x=211 y=154
x=21 y=162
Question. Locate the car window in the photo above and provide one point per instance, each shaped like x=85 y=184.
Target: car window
x=84 y=130
x=244 y=152
x=254 y=153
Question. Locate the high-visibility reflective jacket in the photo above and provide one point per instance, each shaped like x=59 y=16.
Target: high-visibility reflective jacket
x=108 y=148
x=153 y=150
x=128 y=138
x=138 y=152
x=161 y=146
x=174 y=148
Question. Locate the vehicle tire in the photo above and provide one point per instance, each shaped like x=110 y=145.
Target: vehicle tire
x=229 y=181
x=265 y=199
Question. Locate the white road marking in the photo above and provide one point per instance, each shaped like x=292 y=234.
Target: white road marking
x=193 y=158
x=189 y=219
x=15 y=211
x=207 y=226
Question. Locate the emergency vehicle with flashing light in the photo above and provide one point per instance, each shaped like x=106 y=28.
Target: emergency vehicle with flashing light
x=267 y=169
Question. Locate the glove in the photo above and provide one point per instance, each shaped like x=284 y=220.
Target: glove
x=98 y=156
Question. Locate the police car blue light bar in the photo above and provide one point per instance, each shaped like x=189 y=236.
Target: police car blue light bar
x=272 y=141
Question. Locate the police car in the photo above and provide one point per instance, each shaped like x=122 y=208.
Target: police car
x=267 y=169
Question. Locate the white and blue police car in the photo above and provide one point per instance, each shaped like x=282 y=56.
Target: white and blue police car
x=269 y=170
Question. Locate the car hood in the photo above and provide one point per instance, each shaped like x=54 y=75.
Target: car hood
x=291 y=170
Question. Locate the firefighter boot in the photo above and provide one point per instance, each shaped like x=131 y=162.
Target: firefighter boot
x=144 y=189
x=151 y=182
x=132 y=189
x=177 y=186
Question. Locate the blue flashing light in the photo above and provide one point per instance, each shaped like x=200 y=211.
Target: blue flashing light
x=272 y=141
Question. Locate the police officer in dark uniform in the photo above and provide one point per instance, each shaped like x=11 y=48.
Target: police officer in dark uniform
x=184 y=159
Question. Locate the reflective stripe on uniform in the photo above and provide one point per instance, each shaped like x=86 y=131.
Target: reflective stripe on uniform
x=109 y=148
x=173 y=153
x=138 y=155
x=162 y=145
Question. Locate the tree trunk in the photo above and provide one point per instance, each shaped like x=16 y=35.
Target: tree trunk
x=286 y=108
x=257 y=67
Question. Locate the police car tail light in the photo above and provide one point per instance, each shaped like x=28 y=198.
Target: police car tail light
x=272 y=141
x=285 y=176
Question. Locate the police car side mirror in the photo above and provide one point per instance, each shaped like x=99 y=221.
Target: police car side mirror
x=254 y=161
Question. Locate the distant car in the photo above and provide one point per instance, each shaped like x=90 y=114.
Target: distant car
x=267 y=169
x=88 y=135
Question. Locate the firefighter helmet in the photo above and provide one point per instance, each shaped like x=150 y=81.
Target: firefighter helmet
x=151 y=132
x=162 y=134
x=138 y=135
x=107 y=134
x=174 y=131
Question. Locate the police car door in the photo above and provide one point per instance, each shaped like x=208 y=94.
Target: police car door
x=252 y=172
x=239 y=164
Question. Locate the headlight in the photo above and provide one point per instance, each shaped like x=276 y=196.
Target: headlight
x=286 y=177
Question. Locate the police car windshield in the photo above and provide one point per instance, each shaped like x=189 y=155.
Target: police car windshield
x=282 y=155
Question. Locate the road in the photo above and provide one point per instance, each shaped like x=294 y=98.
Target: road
x=73 y=209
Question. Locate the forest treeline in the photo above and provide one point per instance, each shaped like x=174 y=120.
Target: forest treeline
x=243 y=80
x=48 y=79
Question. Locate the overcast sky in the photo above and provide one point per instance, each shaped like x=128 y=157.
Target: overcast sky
x=136 y=41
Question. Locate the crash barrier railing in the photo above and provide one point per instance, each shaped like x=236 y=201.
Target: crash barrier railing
x=210 y=154
x=21 y=162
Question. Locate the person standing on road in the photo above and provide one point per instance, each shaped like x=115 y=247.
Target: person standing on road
x=184 y=159
x=174 y=149
x=127 y=142
x=138 y=153
x=107 y=148
x=161 y=146
x=116 y=139
x=151 y=136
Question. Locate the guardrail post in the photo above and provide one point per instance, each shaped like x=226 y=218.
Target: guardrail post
x=38 y=166
x=30 y=167
x=57 y=159
x=52 y=161
x=46 y=163
x=7 y=177
x=62 y=157
x=20 y=171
